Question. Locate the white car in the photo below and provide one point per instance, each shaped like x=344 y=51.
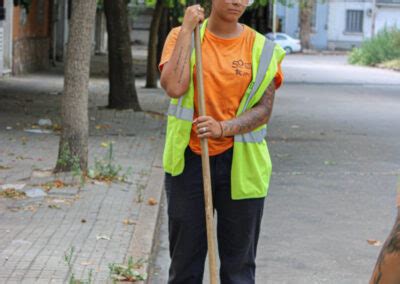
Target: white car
x=288 y=43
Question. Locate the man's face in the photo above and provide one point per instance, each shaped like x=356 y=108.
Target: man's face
x=230 y=10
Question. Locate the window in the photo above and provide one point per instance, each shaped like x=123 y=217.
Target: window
x=354 y=21
x=281 y=37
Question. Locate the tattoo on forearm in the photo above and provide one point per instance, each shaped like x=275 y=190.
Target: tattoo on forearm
x=184 y=65
x=253 y=118
x=178 y=62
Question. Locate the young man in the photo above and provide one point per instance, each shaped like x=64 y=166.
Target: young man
x=241 y=72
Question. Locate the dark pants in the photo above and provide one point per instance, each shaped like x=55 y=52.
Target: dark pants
x=238 y=224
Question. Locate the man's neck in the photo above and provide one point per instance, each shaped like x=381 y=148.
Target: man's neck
x=222 y=28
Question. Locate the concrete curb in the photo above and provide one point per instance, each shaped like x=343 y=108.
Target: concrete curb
x=143 y=237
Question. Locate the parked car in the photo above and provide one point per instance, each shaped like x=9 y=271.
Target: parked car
x=288 y=43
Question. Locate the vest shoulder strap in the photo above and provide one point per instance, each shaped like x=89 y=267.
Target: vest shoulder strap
x=263 y=63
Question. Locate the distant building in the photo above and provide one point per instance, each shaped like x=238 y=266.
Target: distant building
x=342 y=24
x=31 y=39
x=24 y=37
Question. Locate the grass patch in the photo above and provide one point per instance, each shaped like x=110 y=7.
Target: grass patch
x=391 y=64
x=383 y=47
x=106 y=169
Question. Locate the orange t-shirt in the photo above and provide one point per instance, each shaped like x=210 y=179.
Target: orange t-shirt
x=227 y=72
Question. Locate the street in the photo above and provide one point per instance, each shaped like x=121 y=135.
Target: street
x=333 y=139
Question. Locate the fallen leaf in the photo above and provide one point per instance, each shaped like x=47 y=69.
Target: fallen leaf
x=86 y=263
x=58 y=183
x=4 y=167
x=374 y=243
x=129 y=222
x=103 y=126
x=104 y=144
x=12 y=193
x=56 y=127
x=24 y=140
x=59 y=201
x=54 y=206
x=152 y=201
x=103 y=237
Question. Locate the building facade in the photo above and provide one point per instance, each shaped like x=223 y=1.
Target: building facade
x=342 y=24
x=33 y=36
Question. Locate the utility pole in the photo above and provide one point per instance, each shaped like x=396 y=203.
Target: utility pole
x=373 y=18
x=274 y=16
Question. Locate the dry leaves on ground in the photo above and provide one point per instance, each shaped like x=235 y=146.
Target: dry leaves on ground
x=103 y=126
x=12 y=193
x=129 y=222
x=152 y=201
x=375 y=243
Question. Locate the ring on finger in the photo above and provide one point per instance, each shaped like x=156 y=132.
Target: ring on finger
x=203 y=130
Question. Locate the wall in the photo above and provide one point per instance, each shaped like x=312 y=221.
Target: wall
x=31 y=37
x=387 y=17
x=338 y=38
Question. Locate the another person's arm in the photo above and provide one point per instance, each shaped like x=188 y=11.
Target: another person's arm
x=175 y=75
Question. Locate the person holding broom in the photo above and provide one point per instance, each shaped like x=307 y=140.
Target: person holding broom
x=241 y=70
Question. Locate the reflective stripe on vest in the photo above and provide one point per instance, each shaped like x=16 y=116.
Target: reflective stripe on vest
x=252 y=137
x=265 y=59
x=180 y=112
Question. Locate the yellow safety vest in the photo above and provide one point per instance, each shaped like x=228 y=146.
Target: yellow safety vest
x=251 y=164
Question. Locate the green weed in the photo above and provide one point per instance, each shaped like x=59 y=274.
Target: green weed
x=383 y=47
x=127 y=273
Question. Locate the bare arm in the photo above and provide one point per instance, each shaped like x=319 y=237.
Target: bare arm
x=253 y=118
x=246 y=122
x=175 y=76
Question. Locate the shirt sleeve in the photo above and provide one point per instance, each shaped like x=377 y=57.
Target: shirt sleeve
x=169 y=46
x=278 y=77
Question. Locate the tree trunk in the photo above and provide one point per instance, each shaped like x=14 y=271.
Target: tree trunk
x=306 y=14
x=73 y=149
x=164 y=28
x=121 y=74
x=152 y=71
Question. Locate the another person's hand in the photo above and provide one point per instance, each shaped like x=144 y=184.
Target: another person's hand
x=208 y=127
x=193 y=16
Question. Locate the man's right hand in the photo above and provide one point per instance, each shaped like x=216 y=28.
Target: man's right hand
x=193 y=16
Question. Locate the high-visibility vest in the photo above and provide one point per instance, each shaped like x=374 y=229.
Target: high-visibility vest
x=251 y=164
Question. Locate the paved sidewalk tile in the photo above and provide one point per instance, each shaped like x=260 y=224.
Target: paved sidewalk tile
x=37 y=234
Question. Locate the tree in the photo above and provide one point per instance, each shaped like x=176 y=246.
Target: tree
x=152 y=74
x=73 y=149
x=306 y=15
x=123 y=93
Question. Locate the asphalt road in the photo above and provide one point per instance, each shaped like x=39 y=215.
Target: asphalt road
x=334 y=140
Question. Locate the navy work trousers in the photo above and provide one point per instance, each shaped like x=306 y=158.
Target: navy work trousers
x=238 y=224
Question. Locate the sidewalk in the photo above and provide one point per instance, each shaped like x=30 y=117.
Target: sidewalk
x=103 y=223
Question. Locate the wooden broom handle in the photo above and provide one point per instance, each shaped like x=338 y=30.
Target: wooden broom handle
x=205 y=163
